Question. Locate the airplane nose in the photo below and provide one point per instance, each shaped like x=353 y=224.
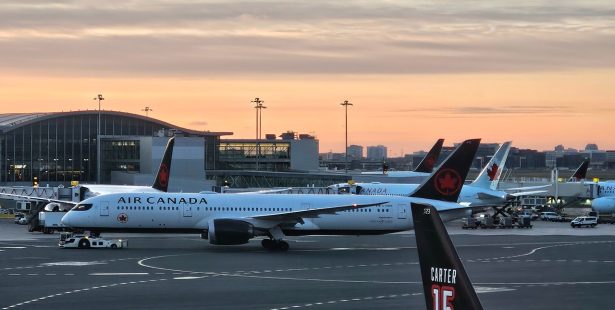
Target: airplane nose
x=66 y=219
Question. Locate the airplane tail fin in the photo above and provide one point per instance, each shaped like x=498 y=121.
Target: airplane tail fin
x=489 y=177
x=161 y=182
x=429 y=161
x=581 y=172
x=446 y=284
x=445 y=183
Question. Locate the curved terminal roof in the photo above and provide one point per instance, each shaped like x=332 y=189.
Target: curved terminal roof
x=11 y=121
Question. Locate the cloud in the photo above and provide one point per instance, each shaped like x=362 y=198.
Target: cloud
x=492 y=111
x=199 y=123
x=205 y=38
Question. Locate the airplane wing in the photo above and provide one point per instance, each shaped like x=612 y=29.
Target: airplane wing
x=528 y=193
x=485 y=196
x=267 y=191
x=296 y=216
x=526 y=188
x=25 y=197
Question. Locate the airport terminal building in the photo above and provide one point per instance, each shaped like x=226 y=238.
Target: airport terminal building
x=113 y=147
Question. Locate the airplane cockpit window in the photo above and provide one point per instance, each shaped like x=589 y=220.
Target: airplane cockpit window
x=82 y=207
x=343 y=190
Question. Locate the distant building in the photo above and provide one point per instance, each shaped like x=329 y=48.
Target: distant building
x=591 y=147
x=355 y=152
x=378 y=152
x=525 y=159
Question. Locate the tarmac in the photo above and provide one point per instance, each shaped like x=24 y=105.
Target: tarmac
x=551 y=266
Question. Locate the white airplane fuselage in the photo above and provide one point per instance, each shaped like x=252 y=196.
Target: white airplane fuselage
x=193 y=212
x=469 y=196
x=605 y=203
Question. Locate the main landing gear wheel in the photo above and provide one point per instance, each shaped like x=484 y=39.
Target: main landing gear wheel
x=272 y=245
x=268 y=244
x=282 y=246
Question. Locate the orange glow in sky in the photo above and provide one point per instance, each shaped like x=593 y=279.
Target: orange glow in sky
x=414 y=71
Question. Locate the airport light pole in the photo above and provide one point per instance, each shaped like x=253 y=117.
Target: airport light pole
x=258 y=105
x=147 y=109
x=346 y=104
x=99 y=98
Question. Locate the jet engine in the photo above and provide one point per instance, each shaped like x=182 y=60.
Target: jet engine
x=604 y=205
x=230 y=232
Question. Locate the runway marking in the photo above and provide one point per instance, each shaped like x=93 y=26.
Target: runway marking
x=546 y=247
x=23 y=303
x=62 y=264
x=74 y=264
x=190 y=278
x=119 y=274
x=12 y=247
x=332 y=302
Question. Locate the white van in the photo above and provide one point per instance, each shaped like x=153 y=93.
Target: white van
x=588 y=221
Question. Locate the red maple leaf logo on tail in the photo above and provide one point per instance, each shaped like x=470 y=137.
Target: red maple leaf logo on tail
x=164 y=175
x=491 y=173
x=448 y=182
x=430 y=162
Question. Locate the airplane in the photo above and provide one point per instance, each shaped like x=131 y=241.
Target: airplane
x=424 y=168
x=229 y=219
x=161 y=183
x=446 y=284
x=481 y=192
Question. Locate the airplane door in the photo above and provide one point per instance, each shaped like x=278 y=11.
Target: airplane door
x=402 y=211
x=104 y=208
x=188 y=211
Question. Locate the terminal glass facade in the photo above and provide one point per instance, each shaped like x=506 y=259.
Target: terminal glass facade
x=250 y=155
x=63 y=148
x=119 y=155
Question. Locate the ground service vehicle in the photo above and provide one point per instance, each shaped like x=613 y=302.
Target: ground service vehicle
x=50 y=221
x=588 y=221
x=69 y=240
x=550 y=216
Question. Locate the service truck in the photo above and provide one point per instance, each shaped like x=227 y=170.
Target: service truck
x=50 y=221
x=85 y=241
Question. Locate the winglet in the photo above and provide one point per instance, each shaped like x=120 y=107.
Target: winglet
x=445 y=183
x=429 y=161
x=489 y=177
x=445 y=282
x=581 y=172
x=161 y=182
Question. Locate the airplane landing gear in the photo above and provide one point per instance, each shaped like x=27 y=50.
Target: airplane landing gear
x=276 y=242
x=275 y=245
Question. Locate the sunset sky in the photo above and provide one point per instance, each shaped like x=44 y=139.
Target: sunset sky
x=540 y=73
